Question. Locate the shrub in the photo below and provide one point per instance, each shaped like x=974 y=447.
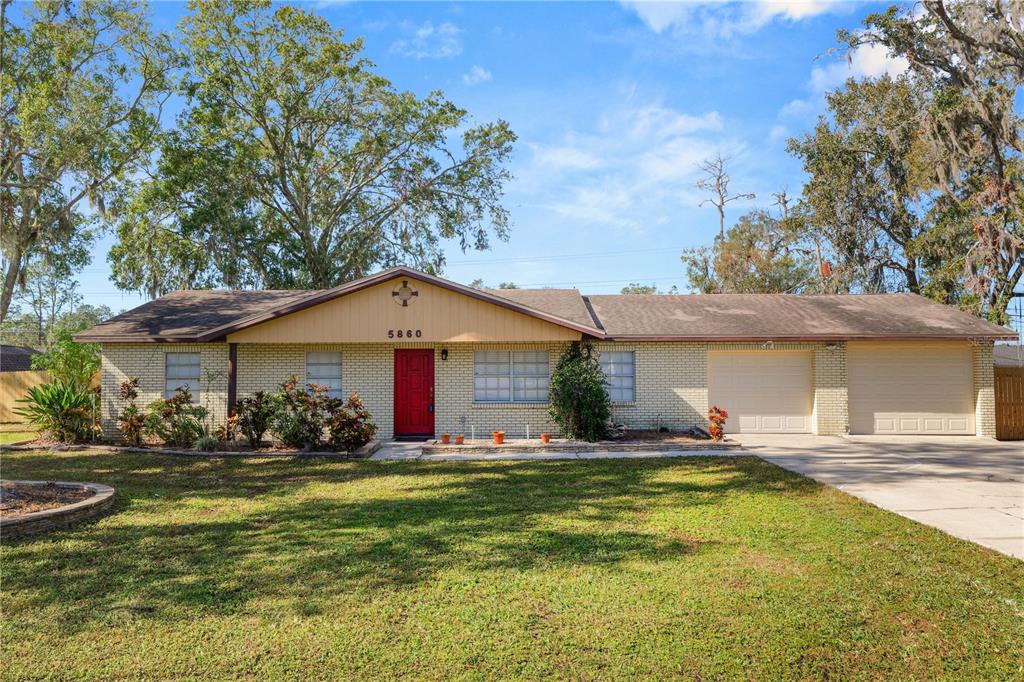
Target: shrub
x=68 y=361
x=301 y=415
x=175 y=420
x=717 y=417
x=255 y=416
x=61 y=410
x=131 y=420
x=578 y=394
x=228 y=431
x=348 y=424
x=206 y=443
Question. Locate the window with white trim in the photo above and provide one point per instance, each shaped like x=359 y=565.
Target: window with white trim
x=501 y=376
x=619 y=367
x=323 y=368
x=181 y=370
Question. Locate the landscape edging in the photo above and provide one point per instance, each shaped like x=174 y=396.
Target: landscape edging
x=46 y=520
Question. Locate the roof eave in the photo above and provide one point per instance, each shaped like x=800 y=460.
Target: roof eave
x=808 y=337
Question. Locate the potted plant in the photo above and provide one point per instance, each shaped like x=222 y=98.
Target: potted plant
x=459 y=439
x=545 y=438
x=446 y=438
x=498 y=437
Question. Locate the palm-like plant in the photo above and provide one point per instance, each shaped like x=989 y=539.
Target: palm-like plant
x=61 y=410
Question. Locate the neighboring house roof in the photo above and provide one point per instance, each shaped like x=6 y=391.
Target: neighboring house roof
x=209 y=315
x=1008 y=355
x=16 y=358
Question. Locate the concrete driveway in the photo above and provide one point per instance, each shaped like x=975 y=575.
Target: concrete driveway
x=969 y=487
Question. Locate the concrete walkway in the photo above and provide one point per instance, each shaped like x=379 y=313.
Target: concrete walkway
x=969 y=487
x=412 y=451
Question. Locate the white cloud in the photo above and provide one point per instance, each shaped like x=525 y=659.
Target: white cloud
x=797 y=108
x=716 y=18
x=778 y=132
x=428 y=41
x=627 y=168
x=476 y=75
x=868 y=61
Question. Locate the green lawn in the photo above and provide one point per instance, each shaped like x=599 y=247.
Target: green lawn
x=683 y=568
x=15 y=436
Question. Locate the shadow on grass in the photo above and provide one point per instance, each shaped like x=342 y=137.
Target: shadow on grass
x=219 y=535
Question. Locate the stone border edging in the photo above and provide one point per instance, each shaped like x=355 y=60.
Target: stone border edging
x=361 y=453
x=572 y=448
x=36 y=523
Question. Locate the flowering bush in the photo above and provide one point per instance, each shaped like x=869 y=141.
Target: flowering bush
x=132 y=420
x=301 y=414
x=349 y=425
x=175 y=421
x=255 y=416
x=717 y=417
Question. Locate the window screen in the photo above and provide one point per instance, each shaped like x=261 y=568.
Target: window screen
x=181 y=370
x=620 y=371
x=324 y=369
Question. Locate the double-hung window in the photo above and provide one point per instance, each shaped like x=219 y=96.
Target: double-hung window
x=619 y=369
x=181 y=370
x=324 y=369
x=501 y=376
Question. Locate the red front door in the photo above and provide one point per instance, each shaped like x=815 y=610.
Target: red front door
x=414 y=392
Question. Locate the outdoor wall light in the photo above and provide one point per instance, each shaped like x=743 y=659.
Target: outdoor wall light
x=444 y=354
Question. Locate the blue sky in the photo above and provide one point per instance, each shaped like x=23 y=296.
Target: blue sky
x=615 y=105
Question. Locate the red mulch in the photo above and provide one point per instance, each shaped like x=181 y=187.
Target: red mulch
x=18 y=498
x=660 y=437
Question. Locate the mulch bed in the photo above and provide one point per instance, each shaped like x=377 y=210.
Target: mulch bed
x=17 y=498
x=653 y=436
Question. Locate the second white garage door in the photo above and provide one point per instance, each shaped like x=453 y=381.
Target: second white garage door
x=763 y=391
x=911 y=388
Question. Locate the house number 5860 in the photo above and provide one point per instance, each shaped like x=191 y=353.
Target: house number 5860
x=405 y=333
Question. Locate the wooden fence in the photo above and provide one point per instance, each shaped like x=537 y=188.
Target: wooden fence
x=13 y=386
x=1010 y=403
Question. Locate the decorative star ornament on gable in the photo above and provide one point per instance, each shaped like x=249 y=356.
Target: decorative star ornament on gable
x=404 y=294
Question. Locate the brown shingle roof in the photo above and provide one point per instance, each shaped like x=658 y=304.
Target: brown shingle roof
x=209 y=315
x=782 y=316
x=186 y=315
x=564 y=303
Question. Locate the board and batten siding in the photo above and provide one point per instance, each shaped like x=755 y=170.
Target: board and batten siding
x=438 y=314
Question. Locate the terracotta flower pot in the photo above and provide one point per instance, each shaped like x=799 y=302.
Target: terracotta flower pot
x=459 y=439
x=545 y=438
x=499 y=437
x=446 y=438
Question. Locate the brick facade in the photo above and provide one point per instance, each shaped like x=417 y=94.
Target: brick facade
x=984 y=390
x=671 y=382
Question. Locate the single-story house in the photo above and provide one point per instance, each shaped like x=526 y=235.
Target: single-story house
x=16 y=358
x=429 y=356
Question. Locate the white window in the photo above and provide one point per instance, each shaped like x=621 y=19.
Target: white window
x=501 y=376
x=181 y=370
x=619 y=369
x=324 y=369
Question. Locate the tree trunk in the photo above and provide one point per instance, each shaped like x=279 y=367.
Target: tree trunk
x=10 y=281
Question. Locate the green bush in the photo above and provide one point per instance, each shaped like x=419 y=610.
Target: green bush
x=68 y=361
x=348 y=424
x=578 y=394
x=61 y=410
x=175 y=421
x=255 y=415
x=300 y=415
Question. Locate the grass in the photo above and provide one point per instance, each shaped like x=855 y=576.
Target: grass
x=15 y=436
x=696 y=568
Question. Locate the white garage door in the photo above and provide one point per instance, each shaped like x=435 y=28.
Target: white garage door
x=763 y=391
x=911 y=388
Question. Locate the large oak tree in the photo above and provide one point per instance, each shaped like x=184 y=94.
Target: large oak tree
x=295 y=165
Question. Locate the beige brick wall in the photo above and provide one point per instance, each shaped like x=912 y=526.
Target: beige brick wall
x=831 y=397
x=671 y=382
x=984 y=390
x=122 y=361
